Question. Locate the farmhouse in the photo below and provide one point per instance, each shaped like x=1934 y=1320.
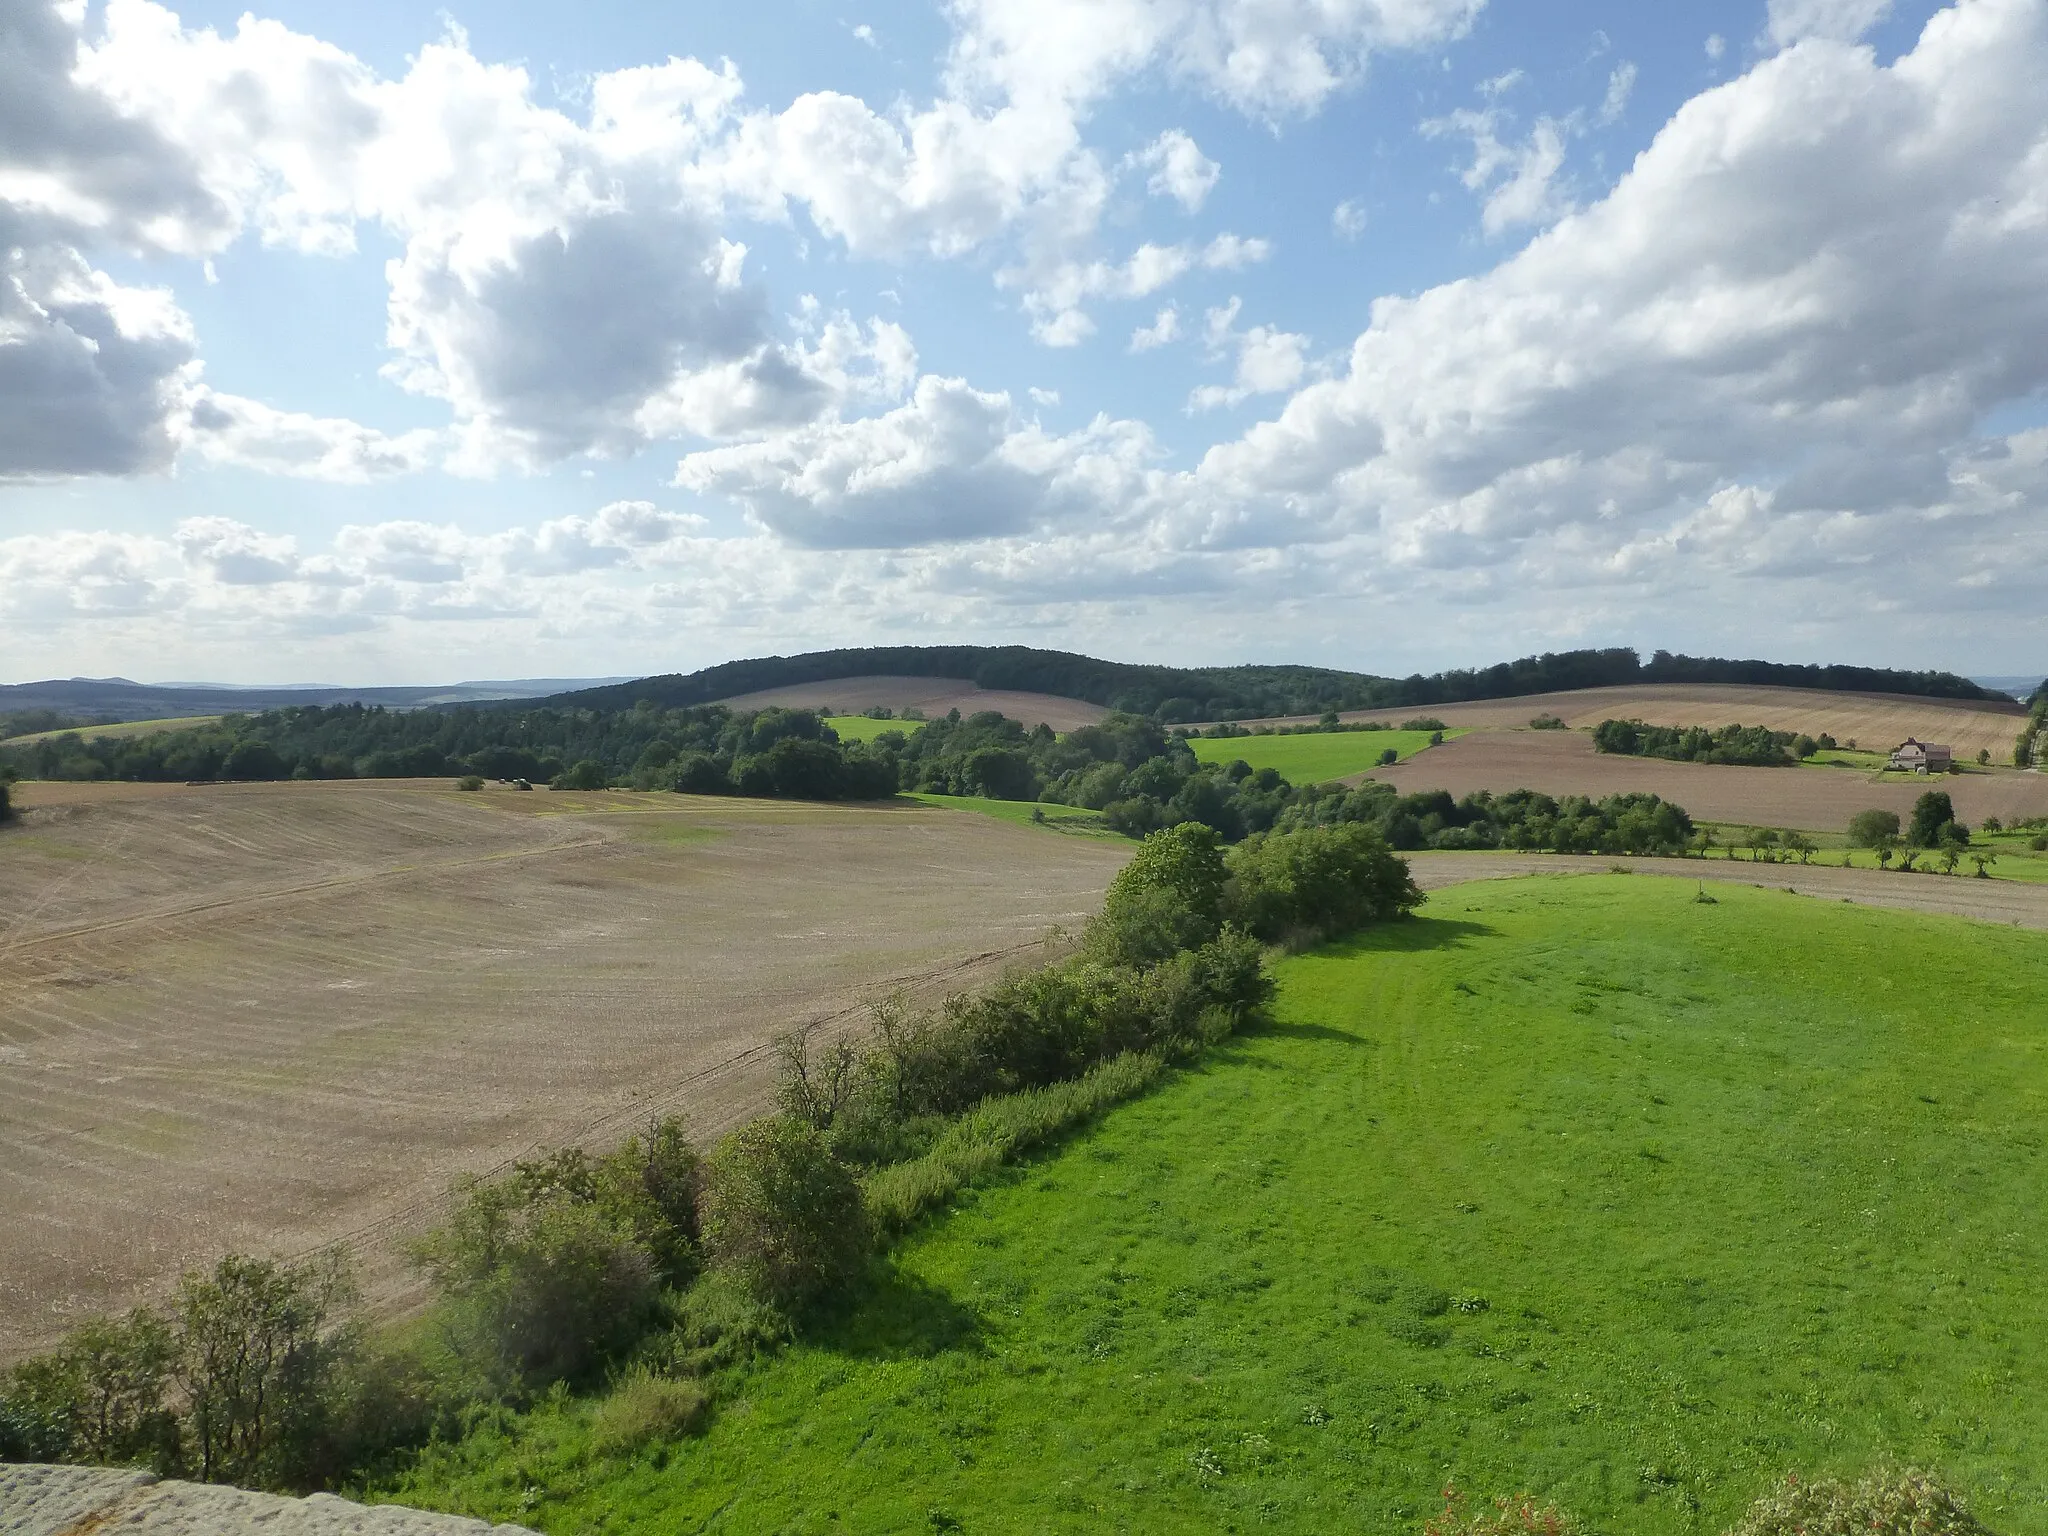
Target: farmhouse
x=1922 y=757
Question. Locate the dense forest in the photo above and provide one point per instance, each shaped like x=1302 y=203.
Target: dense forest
x=1179 y=695
x=1752 y=746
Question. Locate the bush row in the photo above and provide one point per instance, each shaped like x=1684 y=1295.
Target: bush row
x=1755 y=746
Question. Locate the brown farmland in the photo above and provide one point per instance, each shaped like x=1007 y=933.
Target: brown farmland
x=1812 y=799
x=934 y=695
x=1876 y=721
x=271 y=1017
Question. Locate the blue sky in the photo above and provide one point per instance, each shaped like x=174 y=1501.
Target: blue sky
x=390 y=343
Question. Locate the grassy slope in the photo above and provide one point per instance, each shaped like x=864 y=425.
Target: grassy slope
x=861 y=728
x=1317 y=758
x=1067 y=818
x=1745 y=1187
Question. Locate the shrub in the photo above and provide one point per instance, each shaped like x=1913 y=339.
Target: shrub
x=1886 y=1502
x=1546 y=723
x=1319 y=882
x=645 y=1409
x=1166 y=899
x=6 y=806
x=470 y=781
x=2038 y=843
x=781 y=1214
x=553 y=1270
x=99 y=1397
x=1873 y=829
x=587 y=774
x=257 y=1367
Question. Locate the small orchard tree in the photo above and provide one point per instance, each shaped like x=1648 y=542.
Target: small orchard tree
x=1984 y=861
x=1801 y=845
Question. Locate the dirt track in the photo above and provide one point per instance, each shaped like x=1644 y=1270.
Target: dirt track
x=933 y=695
x=1988 y=901
x=273 y=1016
x=1812 y=799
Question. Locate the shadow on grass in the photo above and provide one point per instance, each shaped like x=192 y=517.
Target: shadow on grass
x=1411 y=936
x=897 y=1317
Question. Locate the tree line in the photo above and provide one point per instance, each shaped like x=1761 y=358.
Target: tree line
x=1752 y=746
x=1139 y=777
x=656 y=1267
x=2027 y=748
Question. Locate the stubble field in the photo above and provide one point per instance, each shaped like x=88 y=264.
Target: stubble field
x=1881 y=720
x=1818 y=799
x=272 y=1017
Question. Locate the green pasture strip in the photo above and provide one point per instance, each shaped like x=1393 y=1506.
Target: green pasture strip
x=1314 y=758
x=1576 y=1185
x=1840 y=758
x=1061 y=818
x=861 y=728
x=125 y=728
x=2016 y=861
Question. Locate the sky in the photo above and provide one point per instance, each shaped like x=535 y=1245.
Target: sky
x=391 y=342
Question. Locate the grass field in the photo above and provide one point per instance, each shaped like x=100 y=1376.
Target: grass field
x=2016 y=860
x=125 y=728
x=861 y=728
x=1575 y=1186
x=1313 y=759
x=1061 y=818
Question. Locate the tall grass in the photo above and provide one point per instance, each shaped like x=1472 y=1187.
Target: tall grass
x=998 y=1130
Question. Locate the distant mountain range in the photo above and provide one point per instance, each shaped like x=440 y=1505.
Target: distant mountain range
x=117 y=698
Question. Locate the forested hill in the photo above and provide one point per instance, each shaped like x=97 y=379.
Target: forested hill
x=1176 y=694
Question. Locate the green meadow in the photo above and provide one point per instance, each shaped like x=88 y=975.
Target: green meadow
x=862 y=728
x=1061 y=818
x=1580 y=1186
x=2016 y=858
x=1313 y=758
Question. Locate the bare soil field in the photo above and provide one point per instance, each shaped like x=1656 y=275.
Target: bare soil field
x=274 y=1017
x=934 y=695
x=1875 y=720
x=1986 y=901
x=1812 y=799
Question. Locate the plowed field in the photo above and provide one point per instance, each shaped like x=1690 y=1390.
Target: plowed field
x=1813 y=799
x=1876 y=720
x=933 y=695
x=269 y=1017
